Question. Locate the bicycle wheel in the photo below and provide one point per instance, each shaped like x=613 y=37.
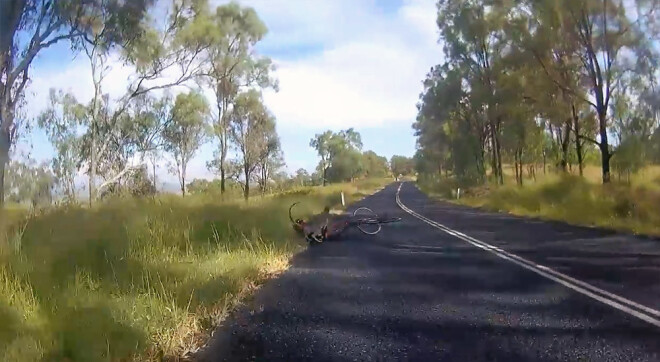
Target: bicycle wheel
x=367 y=221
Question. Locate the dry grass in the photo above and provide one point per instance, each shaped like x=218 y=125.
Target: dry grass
x=627 y=206
x=648 y=176
x=140 y=279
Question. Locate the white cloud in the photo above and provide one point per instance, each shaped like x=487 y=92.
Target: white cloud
x=294 y=23
x=369 y=78
x=341 y=63
x=76 y=77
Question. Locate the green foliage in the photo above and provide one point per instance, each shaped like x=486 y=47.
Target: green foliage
x=654 y=151
x=575 y=200
x=231 y=66
x=46 y=23
x=629 y=157
x=29 y=183
x=60 y=121
x=186 y=132
x=252 y=131
x=342 y=158
x=138 y=184
x=302 y=178
x=213 y=188
x=539 y=81
x=341 y=148
x=374 y=166
x=402 y=165
x=627 y=206
x=346 y=165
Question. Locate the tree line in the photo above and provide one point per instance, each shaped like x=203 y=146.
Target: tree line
x=196 y=77
x=342 y=158
x=530 y=82
x=112 y=139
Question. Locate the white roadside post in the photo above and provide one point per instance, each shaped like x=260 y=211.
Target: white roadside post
x=458 y=193
x=343 y=203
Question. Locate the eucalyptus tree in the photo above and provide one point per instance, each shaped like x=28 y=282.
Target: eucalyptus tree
x=251 y=130
x=118 y=134
x=60 y=120
x=526 y=80
x=330 y=145
x=593 y=43
x=186 y=131
x=271 y=160
x=231 y=64
x=27 y=27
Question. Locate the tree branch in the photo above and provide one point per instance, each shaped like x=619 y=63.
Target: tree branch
x=587 y=138
x=557 y=83
x=117 y=177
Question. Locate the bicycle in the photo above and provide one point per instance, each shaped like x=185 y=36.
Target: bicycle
x=365 y=219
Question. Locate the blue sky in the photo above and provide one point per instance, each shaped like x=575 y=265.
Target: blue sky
x=340 y=64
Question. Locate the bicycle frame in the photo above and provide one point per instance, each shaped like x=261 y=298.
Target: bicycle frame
x=354 y=220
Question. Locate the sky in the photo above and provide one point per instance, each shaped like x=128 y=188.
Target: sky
x=340 y=64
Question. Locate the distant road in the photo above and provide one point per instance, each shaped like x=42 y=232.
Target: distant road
x=455 y=283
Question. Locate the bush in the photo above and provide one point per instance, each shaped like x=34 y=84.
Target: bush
x=443 y=187
x=568 y=198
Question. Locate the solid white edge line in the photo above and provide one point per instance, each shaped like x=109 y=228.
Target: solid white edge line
x=546 y=269
x=577 y=285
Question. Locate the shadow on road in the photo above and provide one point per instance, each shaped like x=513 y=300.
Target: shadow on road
x=412 y=293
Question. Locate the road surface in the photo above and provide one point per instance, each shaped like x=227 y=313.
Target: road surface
x=455 y=284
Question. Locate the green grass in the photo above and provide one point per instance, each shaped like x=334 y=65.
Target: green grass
x=140 y=279
x=631 y=207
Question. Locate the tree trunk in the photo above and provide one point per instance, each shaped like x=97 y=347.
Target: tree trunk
x=183 y=181
x=2 y=184
x=531 y=171
x=222 y=179
x=604 y=146
x=544 y=162
x=515 y=164
x=493 y=163
x=153 y=165
x=521 y=167
x=246 y=189
x=325 y=170
x=92 y=170
x=222 y=103
x=605 y=161
x=578 y=151
x=5 y=144
x=500 y=173
x=578 y=141
x=264 y=177
x=565 y=142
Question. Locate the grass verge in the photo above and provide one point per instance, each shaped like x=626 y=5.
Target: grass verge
x=140 y=279
x=620 y=206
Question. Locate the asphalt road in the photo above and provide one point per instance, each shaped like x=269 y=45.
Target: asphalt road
x=415 y=292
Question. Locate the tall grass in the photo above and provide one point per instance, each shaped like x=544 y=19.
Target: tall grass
x=140 y=279
x=627 y=206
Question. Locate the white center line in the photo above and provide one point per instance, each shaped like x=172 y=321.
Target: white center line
x=642 y=312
